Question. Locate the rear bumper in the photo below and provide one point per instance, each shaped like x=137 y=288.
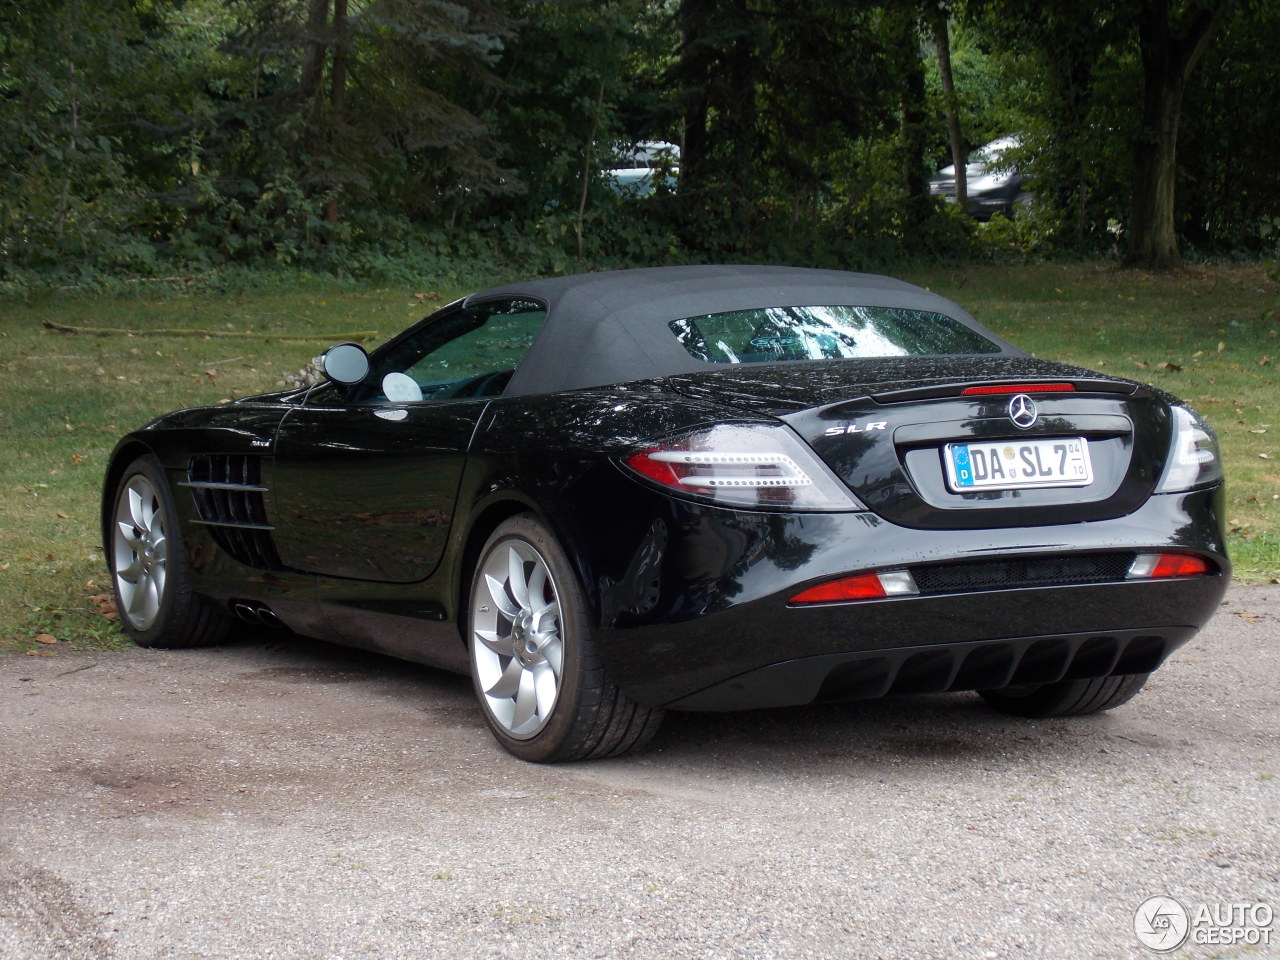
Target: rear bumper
x=693 y=610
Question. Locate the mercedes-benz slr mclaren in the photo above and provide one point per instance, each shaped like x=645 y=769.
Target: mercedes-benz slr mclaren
x=689 y=488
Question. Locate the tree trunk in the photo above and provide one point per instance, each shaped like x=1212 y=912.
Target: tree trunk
x=337 y=90
x=741 y=121
x=691 y=17
x=915 y=137
x=942 y=43
x=314 y=51
x=64 y=200
x=1153 y=242
x=341 y=54
x=588 y=158
x=1168 y=58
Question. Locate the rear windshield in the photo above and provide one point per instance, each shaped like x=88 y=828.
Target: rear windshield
x=770 y=334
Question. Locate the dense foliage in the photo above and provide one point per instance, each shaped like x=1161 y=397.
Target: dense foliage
x=387 y=137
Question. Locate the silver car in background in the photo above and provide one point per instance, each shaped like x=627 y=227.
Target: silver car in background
x=994 y=183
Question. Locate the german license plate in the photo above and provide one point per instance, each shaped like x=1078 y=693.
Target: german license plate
x=1018 y=464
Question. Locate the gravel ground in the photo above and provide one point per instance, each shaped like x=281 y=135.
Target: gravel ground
x=295 y=800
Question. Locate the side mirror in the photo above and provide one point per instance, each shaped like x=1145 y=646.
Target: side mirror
x=346 y=363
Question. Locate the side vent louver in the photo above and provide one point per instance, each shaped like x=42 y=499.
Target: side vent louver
x=228 y=494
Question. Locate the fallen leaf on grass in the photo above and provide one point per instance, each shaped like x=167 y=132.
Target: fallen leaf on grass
x=1171 y=367
x=106 y=605
x=46 y=638
x=63 y=516
x=1142 y=365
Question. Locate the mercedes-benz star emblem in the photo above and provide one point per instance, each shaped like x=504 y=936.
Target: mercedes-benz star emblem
x=1022 y=411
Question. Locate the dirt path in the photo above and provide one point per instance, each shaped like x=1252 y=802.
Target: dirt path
x=296 y=800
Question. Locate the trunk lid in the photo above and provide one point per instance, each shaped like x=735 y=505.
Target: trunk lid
x=933 y=442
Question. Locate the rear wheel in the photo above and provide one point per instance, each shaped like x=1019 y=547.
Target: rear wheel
x=1066 y=697
x=535 y=667
x=148 y=561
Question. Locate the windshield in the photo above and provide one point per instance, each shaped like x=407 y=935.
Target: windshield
x=770 y=334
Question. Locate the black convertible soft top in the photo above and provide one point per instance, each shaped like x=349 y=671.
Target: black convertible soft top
x=612 y=327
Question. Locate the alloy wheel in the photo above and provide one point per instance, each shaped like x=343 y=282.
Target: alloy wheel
x=517 y=645
x=141 y=552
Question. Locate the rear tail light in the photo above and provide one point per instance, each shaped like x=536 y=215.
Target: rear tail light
x=1193 y=454
x=862 y=586
x=1166 y=566
x=745 y=465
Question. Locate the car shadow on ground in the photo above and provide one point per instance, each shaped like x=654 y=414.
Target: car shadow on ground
x=914 y=730
x=919 y=730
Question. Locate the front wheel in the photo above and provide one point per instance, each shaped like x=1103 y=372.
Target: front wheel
x=1066 y=697
x=148 y=561
x=536 y=671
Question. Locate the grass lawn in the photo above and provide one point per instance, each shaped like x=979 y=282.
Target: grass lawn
x=1208 y=335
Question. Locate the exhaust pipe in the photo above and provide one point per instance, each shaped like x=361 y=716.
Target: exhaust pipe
x=245 y=613
x=256 y=614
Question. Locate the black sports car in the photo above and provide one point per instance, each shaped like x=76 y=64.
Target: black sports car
x=690 y=488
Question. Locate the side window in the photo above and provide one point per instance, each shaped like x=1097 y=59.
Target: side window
x=470 y=352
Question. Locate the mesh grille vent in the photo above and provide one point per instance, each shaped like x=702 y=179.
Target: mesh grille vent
x=1007 y=574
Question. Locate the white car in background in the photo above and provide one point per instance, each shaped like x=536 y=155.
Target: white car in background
x=637 y=171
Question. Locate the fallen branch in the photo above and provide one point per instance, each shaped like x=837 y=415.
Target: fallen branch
x=358 y=335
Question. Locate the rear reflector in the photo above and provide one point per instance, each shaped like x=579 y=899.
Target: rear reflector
x=1002 y=389
x=863 y=586
x=1166 y=566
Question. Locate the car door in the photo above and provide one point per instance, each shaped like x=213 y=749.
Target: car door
x=366 y=483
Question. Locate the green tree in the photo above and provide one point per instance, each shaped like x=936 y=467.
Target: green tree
x=782 y=101
x=1229 y=181
x=1173 y=39
x=1090 y=57
x=568 y=101
x=75 y=108
x=360 y=92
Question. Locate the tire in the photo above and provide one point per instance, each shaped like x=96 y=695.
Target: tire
x=1066 y=697
x=148 y=564
x=537 y=675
